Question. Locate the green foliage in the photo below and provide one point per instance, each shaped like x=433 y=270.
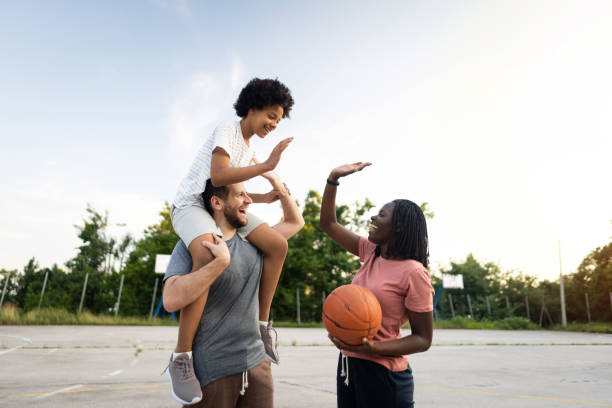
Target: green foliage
x=9 y=314
x=515 y=323
x=509 y=323
x=92 y=252
x=315 y=264
x=594 y=277
x=12 y=286
x=594 y=327
x=140 y=266
x=479 y=281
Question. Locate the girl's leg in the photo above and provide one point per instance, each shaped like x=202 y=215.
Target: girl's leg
x=274 y=247
x=191 y=314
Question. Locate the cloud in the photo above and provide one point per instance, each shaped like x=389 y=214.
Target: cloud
x=179 y=6
x=197 y=107
x=202 y=102
x=50 y=206
x=237 y=73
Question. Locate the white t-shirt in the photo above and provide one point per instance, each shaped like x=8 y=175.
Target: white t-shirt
x=227 y=136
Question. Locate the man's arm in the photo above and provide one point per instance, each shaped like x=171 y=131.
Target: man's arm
x=292 y=217
x=182 y=290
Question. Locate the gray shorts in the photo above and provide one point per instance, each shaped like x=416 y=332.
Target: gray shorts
x=193 y=221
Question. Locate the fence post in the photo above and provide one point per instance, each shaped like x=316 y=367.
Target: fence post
x=508 y=306
x=119 y=296
x=42 y=292
x=527 y=307
x=153 y=298
x=8 y=275
x=450 y=300
x=83 y=292
x=488 y=305
x=586 y=298
x=562 y=291
x=610 y=293
x=470 y=306
x=297 y=291
x=322 y=303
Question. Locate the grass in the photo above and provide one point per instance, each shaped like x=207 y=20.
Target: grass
x=10 y=315
x=509 y=323
x=593 y=327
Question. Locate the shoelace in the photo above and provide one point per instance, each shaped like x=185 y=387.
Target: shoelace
x=184 y=368
x=344 y=373
x=270 y=328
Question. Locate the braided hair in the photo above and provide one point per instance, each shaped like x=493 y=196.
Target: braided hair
x=409 y=238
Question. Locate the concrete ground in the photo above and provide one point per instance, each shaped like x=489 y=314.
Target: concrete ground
x=113 y=366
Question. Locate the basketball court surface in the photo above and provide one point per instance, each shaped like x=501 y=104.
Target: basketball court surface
x=102 y=366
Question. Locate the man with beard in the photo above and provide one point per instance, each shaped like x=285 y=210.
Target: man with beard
x=228 y=353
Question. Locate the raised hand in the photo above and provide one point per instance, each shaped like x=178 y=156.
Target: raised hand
x=276 y=153
x=347 y=169
x=275 y=181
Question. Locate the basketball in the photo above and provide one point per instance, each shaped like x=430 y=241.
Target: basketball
x=350 y=313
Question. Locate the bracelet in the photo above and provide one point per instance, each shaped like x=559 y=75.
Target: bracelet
x=332 y=183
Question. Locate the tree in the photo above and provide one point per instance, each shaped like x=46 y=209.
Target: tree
x=594 y=277
x=94 y=257
x=92 y=252
x=315 y=264
x=11 y=286
x=479 y=281
x=139 y=269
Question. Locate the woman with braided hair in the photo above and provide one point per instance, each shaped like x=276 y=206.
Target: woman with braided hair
x=394 y=260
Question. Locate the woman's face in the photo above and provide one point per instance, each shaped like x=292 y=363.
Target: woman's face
x=381 y=230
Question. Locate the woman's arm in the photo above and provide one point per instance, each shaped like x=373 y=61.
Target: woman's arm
x=421 y=325
x=328 y=222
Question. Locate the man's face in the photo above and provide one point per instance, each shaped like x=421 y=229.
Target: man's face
x=236 y=204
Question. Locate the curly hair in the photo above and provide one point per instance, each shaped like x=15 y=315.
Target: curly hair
x=259 y=93
x=409 y=239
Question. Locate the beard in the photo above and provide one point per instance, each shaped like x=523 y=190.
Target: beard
x=232 y=218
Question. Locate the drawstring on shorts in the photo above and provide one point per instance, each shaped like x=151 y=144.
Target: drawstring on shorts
x=245 y=382
x=344 y=373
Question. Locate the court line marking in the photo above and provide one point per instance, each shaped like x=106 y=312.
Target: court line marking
x=72 y=390
x=27 y=341
x=67 y=389
x=506 y=394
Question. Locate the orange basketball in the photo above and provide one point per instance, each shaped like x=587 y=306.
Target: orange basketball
x=350 y=313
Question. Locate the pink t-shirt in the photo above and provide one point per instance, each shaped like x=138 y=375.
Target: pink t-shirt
x=399 y=286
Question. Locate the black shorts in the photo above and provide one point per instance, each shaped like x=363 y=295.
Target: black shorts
x=372 y=385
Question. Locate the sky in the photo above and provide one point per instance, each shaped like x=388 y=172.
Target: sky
x=496 y=113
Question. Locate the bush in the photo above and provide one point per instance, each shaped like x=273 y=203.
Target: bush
x=516 y=323
x=509 y=323
x=10 y=315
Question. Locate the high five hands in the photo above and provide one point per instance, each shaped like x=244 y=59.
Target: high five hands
x=346 y=169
